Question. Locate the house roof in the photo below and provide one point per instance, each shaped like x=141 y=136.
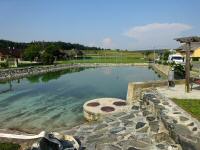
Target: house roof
x=188 y=39
x=14 y=53
x=194 y=46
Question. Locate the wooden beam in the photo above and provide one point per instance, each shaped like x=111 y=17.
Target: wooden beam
x=187 y=68
x=188 y=39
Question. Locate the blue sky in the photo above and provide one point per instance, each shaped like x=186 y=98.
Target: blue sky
x=125 y=24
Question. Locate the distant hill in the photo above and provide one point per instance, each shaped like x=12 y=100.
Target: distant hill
x=6 y=44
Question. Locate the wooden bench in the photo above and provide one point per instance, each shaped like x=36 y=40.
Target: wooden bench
x=194 y=81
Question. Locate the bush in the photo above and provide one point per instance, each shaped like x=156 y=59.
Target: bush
x=9 y=146
x=159 y=62
x=179 y=71
x=166 y=55
x=47 y=59
x=4 y=65
x=195 y=59
x=165 y=63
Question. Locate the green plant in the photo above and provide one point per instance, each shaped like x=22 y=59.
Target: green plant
x=9 y=146
x=32 y=52
x=190 y=105
x=47 y=58
x=165 y=63
x=4 y=65
x=179 y=71
x=159 y=62
x=172 y=64
x=166 y=55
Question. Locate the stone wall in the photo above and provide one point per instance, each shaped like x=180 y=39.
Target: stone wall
x=16 y=73
x=182 y=127
x=134 y=88
x=161 y=69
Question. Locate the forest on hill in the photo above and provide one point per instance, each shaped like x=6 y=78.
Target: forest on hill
x=6 y=44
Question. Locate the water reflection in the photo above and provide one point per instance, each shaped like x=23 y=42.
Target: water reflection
x=53 y=75
x=8 y=89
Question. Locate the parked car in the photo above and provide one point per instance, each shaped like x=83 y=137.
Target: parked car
x=176 y=58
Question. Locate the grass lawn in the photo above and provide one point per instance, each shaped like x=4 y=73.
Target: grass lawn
x=101 y=59
x=108 y=56
x=9 y=146
x=190 y=105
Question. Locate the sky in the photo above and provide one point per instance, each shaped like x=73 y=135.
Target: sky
x=116 y=24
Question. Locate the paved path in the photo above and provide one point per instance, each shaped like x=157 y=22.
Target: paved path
x=179 y=92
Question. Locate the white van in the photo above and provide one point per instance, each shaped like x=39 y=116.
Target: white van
x=176 y=58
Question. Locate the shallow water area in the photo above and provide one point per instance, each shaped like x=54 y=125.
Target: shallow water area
x=53 y=101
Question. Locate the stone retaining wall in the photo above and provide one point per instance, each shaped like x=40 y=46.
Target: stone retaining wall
x=16 y=73
x=135 y=87
x=182 y=127
x=160 y=69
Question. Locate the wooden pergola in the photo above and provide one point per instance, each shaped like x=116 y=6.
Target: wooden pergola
x=188 y=41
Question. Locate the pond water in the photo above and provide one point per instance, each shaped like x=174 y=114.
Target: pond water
x=54 y=101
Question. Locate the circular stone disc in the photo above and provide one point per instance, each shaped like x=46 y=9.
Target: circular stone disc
x=98 y=107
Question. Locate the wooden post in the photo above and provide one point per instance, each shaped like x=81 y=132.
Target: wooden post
x=187 y=41
x=187 y=68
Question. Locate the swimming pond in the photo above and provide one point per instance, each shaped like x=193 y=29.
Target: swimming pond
x=53 y=101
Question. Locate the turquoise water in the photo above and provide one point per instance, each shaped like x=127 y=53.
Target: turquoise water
x=54 y=100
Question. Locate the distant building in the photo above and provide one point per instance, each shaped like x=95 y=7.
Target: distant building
x=194 y=53
x=3 y=57
x=11 y=56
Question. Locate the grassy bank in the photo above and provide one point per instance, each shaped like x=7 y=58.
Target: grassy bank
x=9 y=146
x=190 y=105
x=100 y=56
x=96 y=59
x=108 y=56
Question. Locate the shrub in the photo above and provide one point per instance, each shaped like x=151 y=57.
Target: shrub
x=166 y=55
x=4 y=65
x=179 y=71
x=165 y=63
x=47 y=59
x=196 y=59
x=9 y=146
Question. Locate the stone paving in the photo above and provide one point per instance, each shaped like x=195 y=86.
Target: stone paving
x=153 y=123
x=130 y=131
x=140 y=128
x=179 y=92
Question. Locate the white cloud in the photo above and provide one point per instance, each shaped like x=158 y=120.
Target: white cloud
x=157 y=34
x=107 y=43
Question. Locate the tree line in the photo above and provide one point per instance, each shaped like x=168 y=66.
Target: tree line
x=5 y=44
x=46 y=52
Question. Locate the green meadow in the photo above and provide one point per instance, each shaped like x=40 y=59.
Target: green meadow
x=190 y=105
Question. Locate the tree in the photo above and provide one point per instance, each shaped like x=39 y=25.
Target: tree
x=147 y=55
x=47 y=58
x=166 y=55
x=49 y=54
x=32 y=52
